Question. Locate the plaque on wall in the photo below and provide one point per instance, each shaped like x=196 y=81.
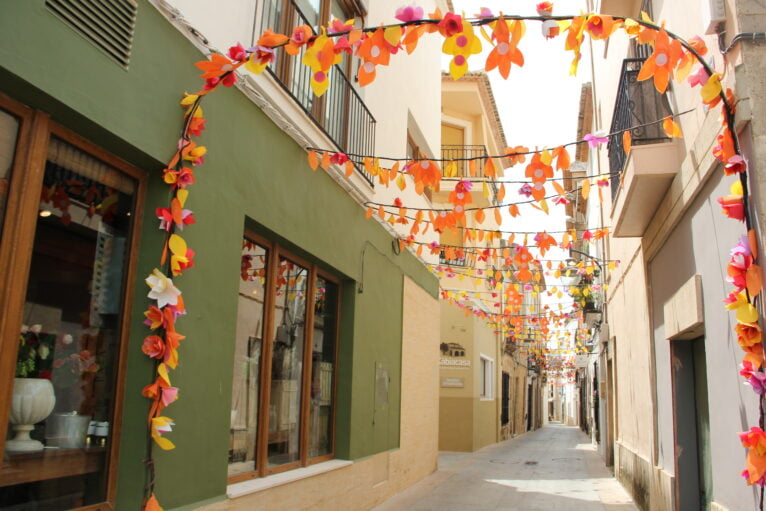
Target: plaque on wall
x=453 y=382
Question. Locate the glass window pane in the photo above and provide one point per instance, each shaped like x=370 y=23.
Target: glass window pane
x=323 y=368
x=9 y=131
x=336 y=11
x=287 y=363
x=247 y=359
x=310 y=10
x=68 y=354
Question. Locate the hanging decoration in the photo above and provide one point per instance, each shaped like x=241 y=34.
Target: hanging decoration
x=672 y=58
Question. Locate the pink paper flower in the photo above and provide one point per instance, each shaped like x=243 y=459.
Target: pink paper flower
x=756 y=379
x=526 y=190
x=409 y=13
x=735 y=165
x=699 y=78
x=169 y=394
x=338 y=158
x=594 y=140
x=451 y=24
x=237 y=53
x=732 y=206
x=464 y=186
x=485 y=12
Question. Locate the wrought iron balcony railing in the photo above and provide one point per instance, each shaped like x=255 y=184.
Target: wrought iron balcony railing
x=459 y=153
x=637 y=103
x=456 y=261
x=340 y=112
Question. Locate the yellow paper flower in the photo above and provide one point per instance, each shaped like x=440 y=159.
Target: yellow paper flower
x=162 y=425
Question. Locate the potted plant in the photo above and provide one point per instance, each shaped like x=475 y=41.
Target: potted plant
x=33 y=397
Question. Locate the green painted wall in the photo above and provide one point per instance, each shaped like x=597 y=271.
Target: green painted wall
x=254 y=173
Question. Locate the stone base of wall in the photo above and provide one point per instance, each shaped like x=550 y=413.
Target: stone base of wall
x=356 y=487
x=651 y=487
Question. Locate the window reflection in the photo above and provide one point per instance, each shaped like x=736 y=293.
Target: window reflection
x=323 y=361
x=247 y=359
x=69 y=346
x=9 y=130
x=287 y=363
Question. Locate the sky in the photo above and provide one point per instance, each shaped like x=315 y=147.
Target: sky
x=538 y=104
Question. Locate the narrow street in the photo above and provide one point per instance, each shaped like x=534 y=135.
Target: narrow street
x=553 y=468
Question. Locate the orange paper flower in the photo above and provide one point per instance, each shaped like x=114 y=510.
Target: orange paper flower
x=660 y=64
x=507 y=36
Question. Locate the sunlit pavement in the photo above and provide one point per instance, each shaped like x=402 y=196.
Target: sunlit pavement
x=553 y=469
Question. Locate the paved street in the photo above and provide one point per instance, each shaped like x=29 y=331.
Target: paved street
x=554 y=468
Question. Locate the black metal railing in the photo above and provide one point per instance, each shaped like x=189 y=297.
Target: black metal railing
x=340 y=112
x=456 y=261
x=457 y=152
x=637 y=103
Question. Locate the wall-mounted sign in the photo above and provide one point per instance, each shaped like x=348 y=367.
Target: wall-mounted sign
x=453 y=382
x=450 y=362
x=452 y=349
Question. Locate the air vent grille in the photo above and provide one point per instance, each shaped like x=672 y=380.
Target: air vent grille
x=108 y=24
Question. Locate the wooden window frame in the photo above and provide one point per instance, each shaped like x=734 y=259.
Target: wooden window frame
x=275 y=252
x=16 y=245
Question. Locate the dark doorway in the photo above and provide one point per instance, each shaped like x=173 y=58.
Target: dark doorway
x=506 y=400
x=596 y=405
x=610 y=419
x=583 y=382
x=529 y=407
x=692 y=424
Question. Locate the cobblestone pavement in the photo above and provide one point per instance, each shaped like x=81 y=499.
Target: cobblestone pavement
x=553 y=469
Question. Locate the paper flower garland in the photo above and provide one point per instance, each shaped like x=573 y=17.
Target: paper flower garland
x=671 y=58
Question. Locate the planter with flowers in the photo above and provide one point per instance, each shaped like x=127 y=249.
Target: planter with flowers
x=33 y=397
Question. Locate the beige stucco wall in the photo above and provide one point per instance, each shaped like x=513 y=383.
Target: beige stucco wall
x=467 y=422
x=629 y=324
x=644 y=450
x=369 y=481
x=486 y=418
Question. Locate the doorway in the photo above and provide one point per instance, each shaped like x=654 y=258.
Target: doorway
x=529 y=407
x=609 y=447
x=694 y=483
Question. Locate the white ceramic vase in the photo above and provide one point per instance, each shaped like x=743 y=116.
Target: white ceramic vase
x=33 y=400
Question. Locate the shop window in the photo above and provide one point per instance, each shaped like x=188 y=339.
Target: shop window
x=283 y=389
x=62 y=317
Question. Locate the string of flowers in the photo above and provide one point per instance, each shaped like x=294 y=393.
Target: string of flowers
x=516 y=154
x=176 y=257
x=672 y=57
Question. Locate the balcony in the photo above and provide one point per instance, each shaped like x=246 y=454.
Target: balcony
x=454 y=261
x=460 y=153
x=340 y=113
x=640 y=178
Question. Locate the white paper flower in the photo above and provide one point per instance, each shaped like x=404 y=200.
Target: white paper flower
x=67 y=339
x=36 y=329
x=43 y=351
x=163 y=289
x=24 y=329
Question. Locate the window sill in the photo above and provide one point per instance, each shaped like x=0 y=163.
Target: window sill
x=237 y=490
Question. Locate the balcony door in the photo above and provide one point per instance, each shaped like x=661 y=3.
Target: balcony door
x=453 y=140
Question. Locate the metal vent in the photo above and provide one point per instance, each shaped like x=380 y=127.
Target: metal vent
x=108 y=24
